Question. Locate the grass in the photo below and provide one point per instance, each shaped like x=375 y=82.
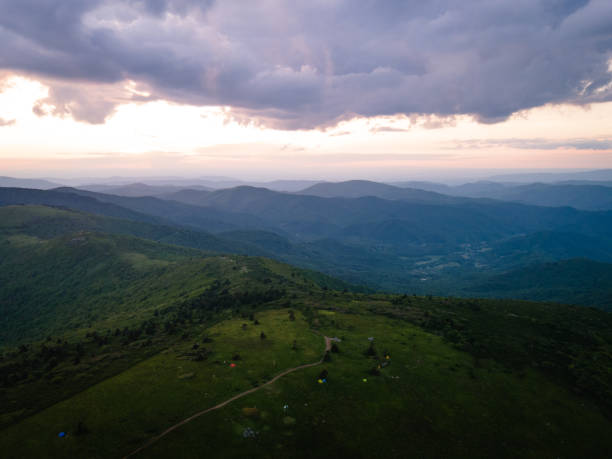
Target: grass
x=125 y=410
x=430 y=400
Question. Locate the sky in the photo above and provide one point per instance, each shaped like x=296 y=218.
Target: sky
x=321 y=89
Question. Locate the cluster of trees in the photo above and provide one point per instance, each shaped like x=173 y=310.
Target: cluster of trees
x=34 y=360
x=37 y=360
x=215 y=299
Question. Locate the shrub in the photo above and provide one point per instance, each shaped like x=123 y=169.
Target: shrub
x=81 y=429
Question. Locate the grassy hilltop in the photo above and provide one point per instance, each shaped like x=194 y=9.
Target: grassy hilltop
x=114 y=339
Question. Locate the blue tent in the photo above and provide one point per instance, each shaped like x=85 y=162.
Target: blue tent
x=61 y=434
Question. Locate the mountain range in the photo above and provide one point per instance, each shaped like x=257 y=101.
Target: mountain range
x=400 y=240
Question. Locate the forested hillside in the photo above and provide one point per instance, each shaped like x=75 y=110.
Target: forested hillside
x=402 y=245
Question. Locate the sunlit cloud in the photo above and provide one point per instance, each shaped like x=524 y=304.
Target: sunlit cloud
x=160 y=135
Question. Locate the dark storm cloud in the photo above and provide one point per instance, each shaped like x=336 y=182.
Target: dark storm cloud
x=313 y=63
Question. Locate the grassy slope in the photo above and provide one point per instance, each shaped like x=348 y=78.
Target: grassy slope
x=55 y=280
x=124 y=410
x=133 y=294
x=431 y=400
x=84 y=281
x=46 y=222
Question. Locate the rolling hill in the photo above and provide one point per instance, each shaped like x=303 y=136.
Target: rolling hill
x=362 y=188
x=385 y=244
x=551 y=177
x=39 y=184
x=140 y=189
x=120 y=339
x=46 y=222
x=586 y=197
x=574 y=281
x=297 y=214
x=156 y=210
x=58 y=198
x=580 y=195
x=58 y=276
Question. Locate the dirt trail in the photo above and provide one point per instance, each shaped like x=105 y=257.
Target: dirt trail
x=230 y=400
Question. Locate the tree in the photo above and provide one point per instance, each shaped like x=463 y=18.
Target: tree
x=262 y=335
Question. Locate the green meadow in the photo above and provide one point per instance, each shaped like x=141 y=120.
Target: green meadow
x=426 y=400
x=125 y=410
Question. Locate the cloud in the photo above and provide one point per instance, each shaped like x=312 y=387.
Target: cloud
x=536 y=144
x=574 y=144
x=84 y=101
x=305 y=64
x=339 y=134
x=4 y=122
x=377 y=129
